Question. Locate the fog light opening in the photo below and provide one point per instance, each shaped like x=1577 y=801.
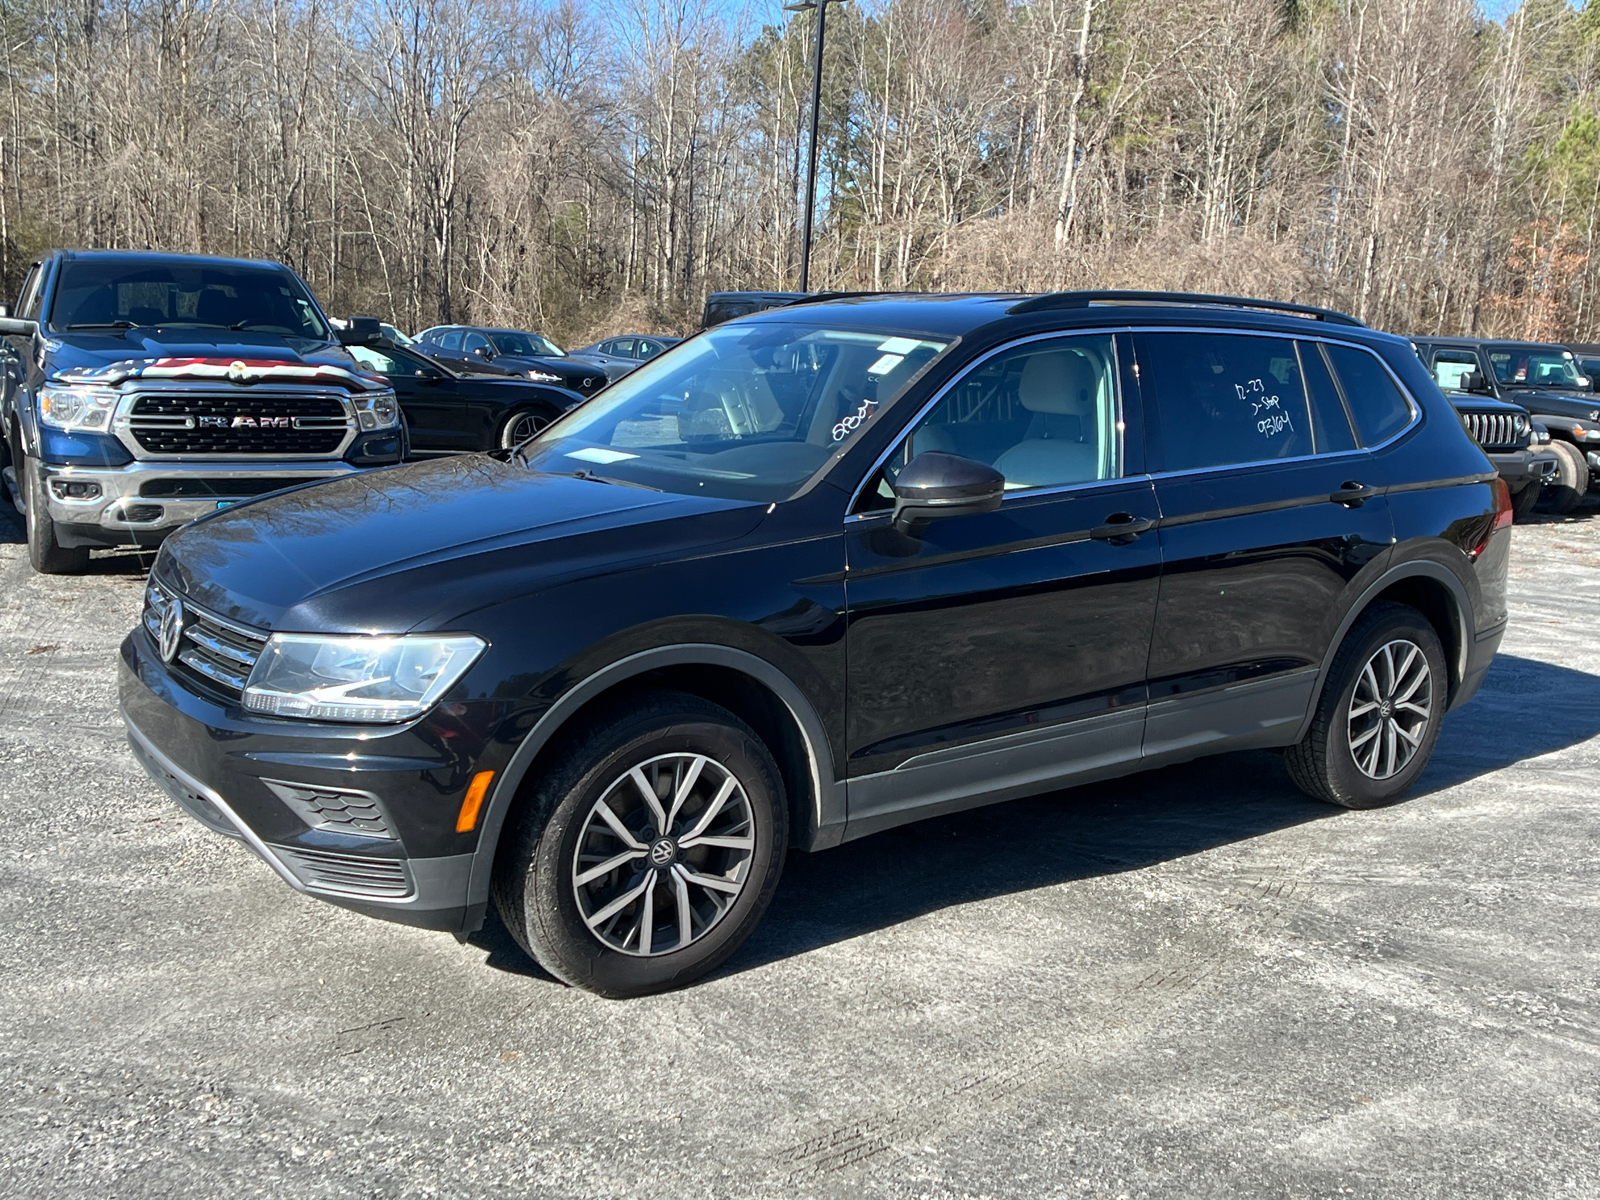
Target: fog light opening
x=75 y=489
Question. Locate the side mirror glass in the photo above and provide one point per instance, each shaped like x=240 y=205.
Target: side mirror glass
x=935 y=484
x=360 y=331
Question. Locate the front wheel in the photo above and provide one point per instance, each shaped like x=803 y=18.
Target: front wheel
x=519 y=427
x=1565 y=490
x=1522 y=502
x=648 y=853
x=48 y=556
x=1379 y=714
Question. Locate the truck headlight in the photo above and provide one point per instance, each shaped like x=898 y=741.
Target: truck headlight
x=378 y=410
x=65 y=406
x=356 y=678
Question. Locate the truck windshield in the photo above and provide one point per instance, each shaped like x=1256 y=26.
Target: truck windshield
x=129 y=294
x=745 y=412
x=1525 y=366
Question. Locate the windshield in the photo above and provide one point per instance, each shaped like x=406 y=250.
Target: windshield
x=131 y=294
x=524 y=344
x=746 y=412
x=1518 y=366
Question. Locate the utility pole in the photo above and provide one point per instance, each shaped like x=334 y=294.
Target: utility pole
x=816 y=111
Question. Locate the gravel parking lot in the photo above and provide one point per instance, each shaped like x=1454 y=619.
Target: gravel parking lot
x=1188 y=984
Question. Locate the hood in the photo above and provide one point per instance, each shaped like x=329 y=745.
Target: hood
x=1474 y=402
x=1567 y=404
x=110 y=356
x=423 y=545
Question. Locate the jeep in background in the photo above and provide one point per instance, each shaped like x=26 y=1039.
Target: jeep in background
x=139 y=391
x=1518 y=447
x=1544 y=380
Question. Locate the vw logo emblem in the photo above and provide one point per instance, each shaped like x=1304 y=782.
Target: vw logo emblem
x=663 y=852
x=239 y=373
x=171 y=630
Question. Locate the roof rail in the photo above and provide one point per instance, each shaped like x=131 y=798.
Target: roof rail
x=1056 y=300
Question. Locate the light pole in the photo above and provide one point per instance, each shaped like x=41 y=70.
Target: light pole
x=816 y=110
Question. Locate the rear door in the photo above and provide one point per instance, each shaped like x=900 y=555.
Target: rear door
x=1001 y=652
x=1268 y=511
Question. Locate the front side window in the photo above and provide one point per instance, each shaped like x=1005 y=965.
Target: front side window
x=1450 y=366
x=1519 y=366
x=130 y=293
x=28 y=298
x=1043 y=414
x=1219 y=399
x=375 y=360
x=647 y=349
x=473 y=342
x=742 y=412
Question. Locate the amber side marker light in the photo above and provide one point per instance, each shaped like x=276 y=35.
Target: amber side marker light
x=467 y=819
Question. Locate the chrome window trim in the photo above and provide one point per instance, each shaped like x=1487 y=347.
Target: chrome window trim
x=944 y=389
x=1307 y=336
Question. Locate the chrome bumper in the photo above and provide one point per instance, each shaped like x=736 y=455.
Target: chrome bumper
x=118 y=504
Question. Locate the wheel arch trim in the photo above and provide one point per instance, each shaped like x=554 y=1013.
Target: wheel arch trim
x=1416 y=569
x=827 y=815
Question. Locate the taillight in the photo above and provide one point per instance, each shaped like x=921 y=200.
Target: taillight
x=1502 y=514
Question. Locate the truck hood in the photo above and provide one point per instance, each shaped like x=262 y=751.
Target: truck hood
x=422 y=546
x=111 y=355
x=1567 y=404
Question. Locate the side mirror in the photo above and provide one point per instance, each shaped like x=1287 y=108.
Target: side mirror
x=360 y=331
x=935 y=484
x=426 y=378
x=483 y=352
x=18 y=326
x=1475 y=381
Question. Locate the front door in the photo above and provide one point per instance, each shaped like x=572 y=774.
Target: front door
x=1268 y=512
x=997 y=654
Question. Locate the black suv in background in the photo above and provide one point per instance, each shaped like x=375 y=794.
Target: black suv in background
x=1545 y=381
x=529 y=354
x=813 y=574
x=140 y=390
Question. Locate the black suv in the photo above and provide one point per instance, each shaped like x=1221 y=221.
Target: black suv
x=142 y=390
x=1541 y=378
x=529 y=354
x=816 y=573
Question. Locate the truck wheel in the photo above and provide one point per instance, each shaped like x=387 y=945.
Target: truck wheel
x=1522 y=502
x=648 y=852
x=520 y=426
x=1379 y=714
x=47 y=555
x=1564 y=491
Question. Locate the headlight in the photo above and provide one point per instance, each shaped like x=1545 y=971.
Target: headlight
x=356 y=678
x=66 y=407
x=1521 y=425
x=543 y=377
x=377 y=410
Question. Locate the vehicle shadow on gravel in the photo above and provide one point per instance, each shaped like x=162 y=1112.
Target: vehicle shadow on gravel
x=1116 y=826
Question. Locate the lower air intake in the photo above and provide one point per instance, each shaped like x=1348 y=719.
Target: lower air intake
x=348 y=874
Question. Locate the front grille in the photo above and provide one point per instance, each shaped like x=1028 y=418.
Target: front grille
x=238 y=422
x=1493 y=431
x=215 y=653
x=348 y=874
x=334 y=809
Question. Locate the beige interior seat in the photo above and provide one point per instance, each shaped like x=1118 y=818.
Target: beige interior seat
x=1058 y=387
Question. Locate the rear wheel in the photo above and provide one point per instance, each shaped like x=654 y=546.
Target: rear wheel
x=1565 y=490
x=1379 y=714
x=46 y=554
x=1522 y=502
x=646 y=856
x=521 y=426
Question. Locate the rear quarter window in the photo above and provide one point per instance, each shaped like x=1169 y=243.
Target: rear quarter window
x=1376 y=403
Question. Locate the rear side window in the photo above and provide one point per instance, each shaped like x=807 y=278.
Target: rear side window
x=1330 y=423
x=450 y=340
x=1224 y=398
x=1380 y=411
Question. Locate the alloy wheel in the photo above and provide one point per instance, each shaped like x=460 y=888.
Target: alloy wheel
x=663 y=854
x=522 y=428
x=1390 y=709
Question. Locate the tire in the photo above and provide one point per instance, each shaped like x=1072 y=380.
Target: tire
x=1522 y=502
x=1352 y=758
x=47 y=555
x=591 y=934
x=1565 y=490
x=520 y=426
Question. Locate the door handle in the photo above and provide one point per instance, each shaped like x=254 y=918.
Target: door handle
x=1353 y=494
x=1121 y=528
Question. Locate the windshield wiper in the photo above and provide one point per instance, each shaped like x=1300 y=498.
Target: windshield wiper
x=103 y=325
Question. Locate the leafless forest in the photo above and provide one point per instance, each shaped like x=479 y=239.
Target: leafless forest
x=584 y=167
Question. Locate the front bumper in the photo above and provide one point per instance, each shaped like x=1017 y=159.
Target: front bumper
x=363 y=818
x=1519 y=468
x=144 y=501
